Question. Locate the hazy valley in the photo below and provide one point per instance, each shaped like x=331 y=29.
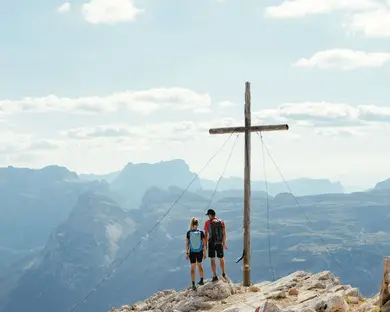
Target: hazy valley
x=63 y=233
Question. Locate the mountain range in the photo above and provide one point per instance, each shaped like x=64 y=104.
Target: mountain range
x=162 y=171
x=63 y=233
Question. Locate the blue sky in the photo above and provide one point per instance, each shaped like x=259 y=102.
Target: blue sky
x=94 y=84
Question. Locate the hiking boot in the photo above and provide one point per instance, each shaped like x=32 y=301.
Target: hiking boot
x=201 y=283
x=224 y=275
x=193 y=287
x=215 y=279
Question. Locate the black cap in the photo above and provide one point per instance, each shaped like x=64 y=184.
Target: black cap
x=210 y=212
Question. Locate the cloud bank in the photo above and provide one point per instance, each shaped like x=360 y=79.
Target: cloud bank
x=142 y=102
x=344 y=59
x=370 y=18
x=110 y=12
x=64 y=8
x=302 y=8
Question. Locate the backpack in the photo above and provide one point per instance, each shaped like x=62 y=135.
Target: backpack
x=196 y=243
x=216 y=231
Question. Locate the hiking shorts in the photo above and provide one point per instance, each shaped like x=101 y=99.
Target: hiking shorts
x=215 y=249
x=196 y=257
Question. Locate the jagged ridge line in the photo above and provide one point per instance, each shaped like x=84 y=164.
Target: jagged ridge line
x=299 y=205
x=153 y=228
x=268 y=212
x=211 y=199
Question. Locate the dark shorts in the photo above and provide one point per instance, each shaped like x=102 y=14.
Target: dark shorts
x=215 y=249
x=196 y=257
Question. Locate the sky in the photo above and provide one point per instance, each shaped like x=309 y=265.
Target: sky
x=95 y=84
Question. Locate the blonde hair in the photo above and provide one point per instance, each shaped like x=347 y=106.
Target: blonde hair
x=194 y=222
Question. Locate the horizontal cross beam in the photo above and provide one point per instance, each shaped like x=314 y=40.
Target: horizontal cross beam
x=252 y=129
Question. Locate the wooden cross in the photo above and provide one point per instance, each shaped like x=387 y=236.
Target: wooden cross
x=248 y=128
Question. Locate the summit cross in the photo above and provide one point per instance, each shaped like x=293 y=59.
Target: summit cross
x=247 y=129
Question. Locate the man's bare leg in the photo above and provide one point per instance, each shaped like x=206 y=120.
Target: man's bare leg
x=213 y=266
x=222 y=264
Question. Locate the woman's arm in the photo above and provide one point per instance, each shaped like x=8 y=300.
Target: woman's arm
x=187 y=246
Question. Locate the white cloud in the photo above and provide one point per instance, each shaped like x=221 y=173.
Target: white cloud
x=155 y=132
x=156 y=136
x=25 y=149
x=64 y=8
x=11 y=142
x=158 y=132
x=43 y=145
x=320 y=114
x=318 y=128
x=327 y=118
x=344 y=59
x=372 y=23
x=337 y=132
x=340 y=116
x=301 y=8
x=374 y=113
x=202 y=110
x=143 y=102
x=203 y=127
x=16 y=143
x=110 y=11
x=368 y=17
x=225 y=104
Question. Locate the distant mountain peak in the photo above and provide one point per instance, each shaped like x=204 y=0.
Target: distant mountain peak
x=98 y=206
x=383 y=185
x=174 y=162
x=60 y=172
x=26 y=176
x=135 y=179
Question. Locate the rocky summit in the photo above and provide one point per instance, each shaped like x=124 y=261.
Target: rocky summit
x=297 y=292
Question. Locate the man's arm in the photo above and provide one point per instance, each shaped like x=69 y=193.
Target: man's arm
x=224 y=234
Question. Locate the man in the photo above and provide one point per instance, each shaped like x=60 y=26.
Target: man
x=215 y=232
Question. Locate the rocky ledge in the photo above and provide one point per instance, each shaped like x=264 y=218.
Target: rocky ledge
x=298 y=292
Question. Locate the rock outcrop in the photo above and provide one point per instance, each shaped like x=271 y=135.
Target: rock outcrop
x=297 y=292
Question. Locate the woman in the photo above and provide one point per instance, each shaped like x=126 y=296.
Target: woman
x=195 y=250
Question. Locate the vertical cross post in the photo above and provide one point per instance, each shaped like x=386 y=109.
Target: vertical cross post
x=247 y=129
x=247 y=189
